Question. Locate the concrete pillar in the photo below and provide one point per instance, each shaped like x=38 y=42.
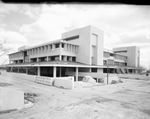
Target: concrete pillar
x=76 y=73
x=89 y=69
x=60 y=58
x=47 y=59
x=26 y=70
x=54 y=71
x=37 y=59
x=39 y=71
x=97 y=80
x=60 y=72
x=60 y=48
x=53 y=46
x=65 y=46
x=18 y=69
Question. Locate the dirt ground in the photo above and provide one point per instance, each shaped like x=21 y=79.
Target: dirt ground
x=127 y=100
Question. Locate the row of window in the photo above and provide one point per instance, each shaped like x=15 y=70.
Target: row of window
x=106 y=54
x=53 y=58
x=42 y=49
x=111 y=62
x=123 y=51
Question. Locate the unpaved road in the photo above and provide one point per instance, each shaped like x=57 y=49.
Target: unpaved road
x=128 y=100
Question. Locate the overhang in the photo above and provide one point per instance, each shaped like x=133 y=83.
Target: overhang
x=55 y=63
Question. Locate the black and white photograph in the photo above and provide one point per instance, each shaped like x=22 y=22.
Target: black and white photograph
x=74 y=61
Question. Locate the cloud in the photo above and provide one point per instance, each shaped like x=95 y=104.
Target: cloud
x=12 y=39
x=122 y=24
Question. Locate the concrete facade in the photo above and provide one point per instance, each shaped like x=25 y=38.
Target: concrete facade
x=132 y=53
x=77 y=52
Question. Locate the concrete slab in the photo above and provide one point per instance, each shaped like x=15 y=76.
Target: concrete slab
x=11 y=99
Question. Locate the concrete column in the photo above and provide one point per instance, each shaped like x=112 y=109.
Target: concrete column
x=26 y=70
x=60 y=48
x=70 y=58
x=47 y=59
x=71 y=48
x=65 y=46
x=89 y=69
x=53 y=46
x=60 y=58
x=60 y=72
x=45 y=49
x=54 y=71
x=39 y=72
x=18 y=69
x=76 y=73
x=96 y=80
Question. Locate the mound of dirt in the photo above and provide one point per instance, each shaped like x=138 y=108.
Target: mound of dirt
x=88 y=79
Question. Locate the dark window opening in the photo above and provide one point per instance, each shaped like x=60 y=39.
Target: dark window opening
x=93 y=69
x=111 y=54
x=43 y=59
x=71 y=38
x=53 y=58
x=57 y=45
x=73 y=59
x=67 y=58
x=62 y=45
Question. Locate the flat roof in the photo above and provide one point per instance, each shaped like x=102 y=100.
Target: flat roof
x=65 y=64
x=55 y=63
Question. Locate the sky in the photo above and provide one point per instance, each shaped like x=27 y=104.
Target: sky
x=31 y=24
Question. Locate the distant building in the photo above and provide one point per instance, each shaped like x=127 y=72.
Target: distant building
x=78 y=53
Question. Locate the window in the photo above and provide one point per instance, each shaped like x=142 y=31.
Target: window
x=73 y=59
x=111 y=54
x=71 y=38
x=53 y=58
x=117 y=63
x=123 y=51
x=57 y=45
x=62 y=45
x=110 y=62
x=67 y=58
x=93 y=69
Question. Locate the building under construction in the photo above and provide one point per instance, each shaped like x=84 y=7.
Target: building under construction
x=78 y=53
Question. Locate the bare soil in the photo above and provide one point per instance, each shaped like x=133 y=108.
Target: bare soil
x=127 y=100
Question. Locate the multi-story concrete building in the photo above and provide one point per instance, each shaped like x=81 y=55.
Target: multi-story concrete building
x=79 y=52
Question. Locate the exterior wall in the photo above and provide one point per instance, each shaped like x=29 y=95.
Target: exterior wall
x=85 y=43
x=132 y=55
x=98 y=57
x=16 y=56
x=114 y=59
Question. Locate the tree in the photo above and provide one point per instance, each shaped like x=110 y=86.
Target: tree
x=3 y=50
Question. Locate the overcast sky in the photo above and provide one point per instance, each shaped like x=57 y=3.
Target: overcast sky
x=123 y=25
